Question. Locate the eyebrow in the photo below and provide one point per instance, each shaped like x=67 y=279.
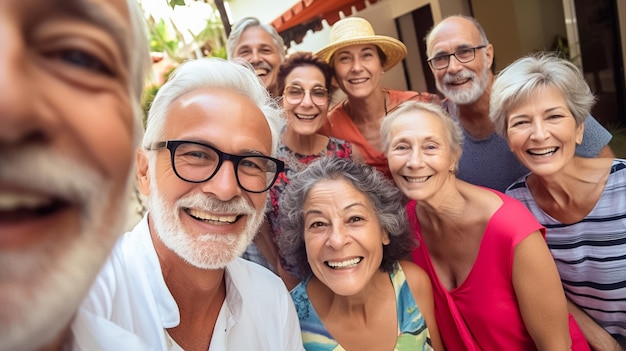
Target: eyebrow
x=316 y=211
x=457 y=48
x=96 y=14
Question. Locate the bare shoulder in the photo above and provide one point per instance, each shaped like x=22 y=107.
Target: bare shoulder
x=416 y=277
x=478 y=197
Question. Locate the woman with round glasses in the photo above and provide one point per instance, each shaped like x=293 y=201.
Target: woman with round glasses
x=359 y=59
x=304 y=81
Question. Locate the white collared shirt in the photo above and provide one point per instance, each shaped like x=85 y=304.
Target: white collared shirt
x=129 y=307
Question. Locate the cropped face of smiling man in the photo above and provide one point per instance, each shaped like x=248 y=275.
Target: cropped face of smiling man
x=257 y=47
x=206 y=223
x=461 y=82
x=67 y=134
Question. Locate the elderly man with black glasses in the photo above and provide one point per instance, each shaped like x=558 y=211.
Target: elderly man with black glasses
x=176 y=282
x=461 y=59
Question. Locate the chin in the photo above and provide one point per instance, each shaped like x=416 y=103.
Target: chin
x=46 y=286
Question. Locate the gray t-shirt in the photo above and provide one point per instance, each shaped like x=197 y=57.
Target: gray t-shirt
x=489 y=162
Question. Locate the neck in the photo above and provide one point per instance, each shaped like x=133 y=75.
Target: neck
x=474 y=117
x=358 y=304
x=367 y=109
x=189 y=285
x=310 y=144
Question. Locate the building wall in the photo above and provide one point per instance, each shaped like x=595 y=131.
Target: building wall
x=514 y=27
x=381 y=15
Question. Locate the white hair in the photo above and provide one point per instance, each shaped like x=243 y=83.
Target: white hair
x=237 y=76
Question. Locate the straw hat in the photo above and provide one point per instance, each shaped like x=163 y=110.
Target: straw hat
x=358 y=31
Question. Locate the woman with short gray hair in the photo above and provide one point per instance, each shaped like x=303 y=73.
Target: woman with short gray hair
x=539 y=104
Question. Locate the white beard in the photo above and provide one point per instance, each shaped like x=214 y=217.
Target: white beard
x=41 y=289
x=469 y=95
x=206 y=251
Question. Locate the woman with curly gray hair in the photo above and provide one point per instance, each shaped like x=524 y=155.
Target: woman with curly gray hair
x=345 y=234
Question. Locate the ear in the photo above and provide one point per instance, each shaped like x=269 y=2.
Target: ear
x=490 y=54
x=143 y=178
x=580 y=131
x=386 y=240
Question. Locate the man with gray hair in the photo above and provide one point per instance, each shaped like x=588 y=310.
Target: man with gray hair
x=176 y=281
x=262 y=46
x=461 y=59
x=71 y=75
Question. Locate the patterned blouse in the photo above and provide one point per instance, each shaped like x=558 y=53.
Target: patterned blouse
x=295 y=162
x=413 y=334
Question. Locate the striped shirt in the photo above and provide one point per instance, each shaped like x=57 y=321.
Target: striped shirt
x=591 y=254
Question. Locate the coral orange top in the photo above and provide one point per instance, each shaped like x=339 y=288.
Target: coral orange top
x=341 y=126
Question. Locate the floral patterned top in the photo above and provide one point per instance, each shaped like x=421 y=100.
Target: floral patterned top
x=413 y=334
x=295 y=162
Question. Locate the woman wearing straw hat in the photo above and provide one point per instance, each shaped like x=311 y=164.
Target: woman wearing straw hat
x=359 y=58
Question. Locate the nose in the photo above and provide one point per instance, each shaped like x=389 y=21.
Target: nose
x=454 y=66
x=255 y=57
x=356 y=65
x=224 y=184
x=19 y=120
x=337 y=237
x=539 y=130
x=307 y=100
x=415 y=159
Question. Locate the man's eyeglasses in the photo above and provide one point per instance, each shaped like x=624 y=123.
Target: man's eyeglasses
x=196 y=163
x=462 y=55
x=294 y=94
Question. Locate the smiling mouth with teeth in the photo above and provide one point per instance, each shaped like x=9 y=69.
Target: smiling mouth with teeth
x=207 y=218
x=543 y=152
x=15 y=206
x=357 y=81
x=305 y=117
x=261 y=72
x=417 y=179
x=344 y=264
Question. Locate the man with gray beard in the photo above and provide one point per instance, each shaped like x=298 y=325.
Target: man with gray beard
x=71 y=76
x=461 y=58
x=176 y=281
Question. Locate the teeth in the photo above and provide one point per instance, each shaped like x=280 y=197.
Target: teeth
x=260 y=71
x=540 y=152
x=14 y=201
x=207 y=217
x=357 y=81
x=344 y=264
x=417 y=180
x=305 y=116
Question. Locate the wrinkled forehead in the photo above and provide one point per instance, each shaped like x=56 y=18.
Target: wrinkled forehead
x=453 y=32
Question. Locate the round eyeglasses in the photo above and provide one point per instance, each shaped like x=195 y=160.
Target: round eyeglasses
x=464 y=55
x=294 y=94
x=196 y=162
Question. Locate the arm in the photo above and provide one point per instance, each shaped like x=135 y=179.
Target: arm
x=596 y=336
x=422 y=291
x=540 y=294
x=264 y=240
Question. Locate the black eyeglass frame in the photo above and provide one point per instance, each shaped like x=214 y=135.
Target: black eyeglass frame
x=304 y=91
x=455 y=56
x=172 y=145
